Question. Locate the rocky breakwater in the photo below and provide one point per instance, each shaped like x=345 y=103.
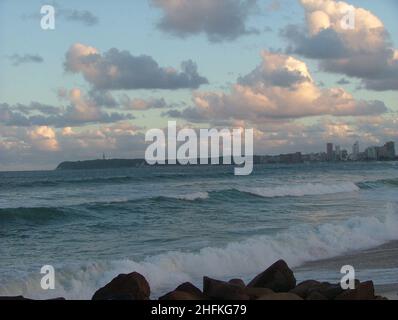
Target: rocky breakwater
x=275 y=283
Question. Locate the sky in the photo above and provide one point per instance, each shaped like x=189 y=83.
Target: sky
x=297 y=71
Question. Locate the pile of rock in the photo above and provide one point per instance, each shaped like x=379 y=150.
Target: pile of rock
x=276 y=283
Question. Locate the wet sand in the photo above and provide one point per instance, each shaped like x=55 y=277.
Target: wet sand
x=379 y=264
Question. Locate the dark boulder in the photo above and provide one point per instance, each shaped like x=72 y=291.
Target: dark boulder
x=363 y=291
x=220 y=290
x=191 y=289
x=256 y=293
x=185 y=291
x=330 y=291
x=303 y=288
x=278 y=277
x=177 y=295
x=131 y=286
x=237 y=282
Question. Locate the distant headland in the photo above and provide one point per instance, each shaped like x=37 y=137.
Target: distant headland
x=101 y=164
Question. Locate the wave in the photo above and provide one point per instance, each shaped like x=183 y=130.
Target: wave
x=373 y=184
x=300 y=190
x=190 y=196
x=39 y=215
x=54 y=182
x=244 y=259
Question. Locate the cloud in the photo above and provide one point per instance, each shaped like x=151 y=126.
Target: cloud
x=281 y=87
x=343 y=81
x=141 y=104
x=364 y=52
x=119 y=70
x=221 y=20
x=44 y=138
x=43 y=147
x=81 y=109
x=17 y=59
x=85 y=17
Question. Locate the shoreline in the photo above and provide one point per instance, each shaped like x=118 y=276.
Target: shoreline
x=379 y=260
x=277 y=282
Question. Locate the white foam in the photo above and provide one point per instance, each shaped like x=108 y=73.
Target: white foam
x=300 y=190
x=191 y=196
x=240 y=259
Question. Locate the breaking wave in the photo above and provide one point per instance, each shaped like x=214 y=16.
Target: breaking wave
x=300 y=190
x=237 y=259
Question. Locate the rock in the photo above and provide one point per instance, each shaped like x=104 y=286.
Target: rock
x=256 y=293
x=221 y=290
x=363 y=291
x=185 y=291
x=278 y=277
x=315 y=295
x=191 y=289
x=237 y=282
x=317 y=289
x=303 y=288
x=131 y=286
x=177 y=295
x=331 y=291
x=281 y=296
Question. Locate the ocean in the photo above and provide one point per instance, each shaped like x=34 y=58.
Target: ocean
x=176 y=224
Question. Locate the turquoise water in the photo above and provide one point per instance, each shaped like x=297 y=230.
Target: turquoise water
x=177 y=224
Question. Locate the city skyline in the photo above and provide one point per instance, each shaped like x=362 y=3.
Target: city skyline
x=108 y=73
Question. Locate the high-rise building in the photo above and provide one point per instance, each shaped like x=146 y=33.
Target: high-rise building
x=338 y=153
x=329 y=151
x=387 y=152
x=355 y=151
x=372 y=153
x=390 y=148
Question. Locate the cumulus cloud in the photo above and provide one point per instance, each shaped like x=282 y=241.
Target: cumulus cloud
x=17 y=59
x=219 y=20
x=281 y=87
x=117 y=70
x=44 y=138
x=364 y=51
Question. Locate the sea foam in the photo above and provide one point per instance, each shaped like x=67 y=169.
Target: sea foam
x=300 y=190
x=237 y=259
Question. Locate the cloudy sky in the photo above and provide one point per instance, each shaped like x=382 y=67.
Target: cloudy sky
x=113 y=69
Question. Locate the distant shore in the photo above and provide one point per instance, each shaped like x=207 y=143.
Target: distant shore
x=136 y=163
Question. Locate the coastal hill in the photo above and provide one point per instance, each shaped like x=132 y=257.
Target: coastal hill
x=101 y=164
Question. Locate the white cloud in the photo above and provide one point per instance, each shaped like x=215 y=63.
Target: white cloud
x=43 y=138
x=280 y=87
x=363 y=52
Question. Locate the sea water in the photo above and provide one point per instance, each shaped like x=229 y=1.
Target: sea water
x=176 y=224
